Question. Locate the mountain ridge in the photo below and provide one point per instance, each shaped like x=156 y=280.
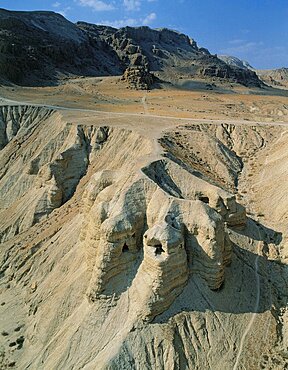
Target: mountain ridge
x=38 y=47
x=234 y=61
x=277 y=77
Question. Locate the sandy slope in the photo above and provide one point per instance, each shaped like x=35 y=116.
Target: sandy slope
x=196 y=100
x=81 y=286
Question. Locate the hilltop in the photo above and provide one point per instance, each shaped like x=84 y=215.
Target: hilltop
x=42 y=47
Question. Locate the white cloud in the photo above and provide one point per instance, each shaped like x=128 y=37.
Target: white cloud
x=132 y=5
x=98 y=5
x=56 y=5
x=149 y=19
x=132 y=22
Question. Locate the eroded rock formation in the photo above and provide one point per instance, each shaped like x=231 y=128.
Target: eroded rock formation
x=50 y=168
x=122 y=247
x=138 y=77
x=163 y=226
x=43 y=47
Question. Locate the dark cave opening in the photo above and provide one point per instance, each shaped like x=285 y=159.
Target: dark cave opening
x=158 y=250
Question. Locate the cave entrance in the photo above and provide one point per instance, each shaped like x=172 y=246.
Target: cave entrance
x=204 y=199
x=125 y=248
x=158 y=250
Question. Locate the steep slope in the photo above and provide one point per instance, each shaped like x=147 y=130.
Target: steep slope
x=170 y=53
x=38 y=47
x=52 y=162
x=275 y=77
x=236 y=62
x=43 y=47
x=146 y=260
x=272 y=77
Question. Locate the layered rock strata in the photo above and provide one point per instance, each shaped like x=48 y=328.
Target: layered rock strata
x=50 y=168
x=138 y=77
x=43 y=47
x=131 y=266
x=142 y=238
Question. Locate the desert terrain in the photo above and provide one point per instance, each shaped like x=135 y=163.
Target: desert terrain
x=165 y=162
x=143 y=202
x=200 y=99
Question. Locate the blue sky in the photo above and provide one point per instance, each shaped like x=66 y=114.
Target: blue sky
x=254 y=30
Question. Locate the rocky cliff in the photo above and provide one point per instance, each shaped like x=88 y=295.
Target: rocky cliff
x=38 y=47
x=273 y=77
x=172 y=54
x=43 y=47
x=126 y=247
x=236 y=62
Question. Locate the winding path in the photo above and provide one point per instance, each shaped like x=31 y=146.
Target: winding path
x=4 y=101
x=257 y=277
x=145 y=105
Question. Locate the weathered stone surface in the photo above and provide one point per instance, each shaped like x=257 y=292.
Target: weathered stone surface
x=50 y=168
x=274 y=77
x=138 y=77
x=138 y=265
x=43 y=47
x=166 y=236
x=213 y=67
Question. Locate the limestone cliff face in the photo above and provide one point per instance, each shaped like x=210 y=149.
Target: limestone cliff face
x=42 y=47
x=145 y=239
x=218 y=68
x=19 y=118
x=51 y=164
x=170 y=53
x=160 y=225
x=121 y=250
x=138 y=77
x=274 y=77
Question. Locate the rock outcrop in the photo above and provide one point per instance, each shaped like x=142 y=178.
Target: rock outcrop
x=14 y=119
x=50 y=169
x=40 y=47
x=138 y=77
x=43 y=47
x=235 y=62
x=148 y=237
x=274 y=77
x=214 y=67
x=126 y=247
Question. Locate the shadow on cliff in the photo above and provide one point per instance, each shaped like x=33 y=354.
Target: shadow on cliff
x=239 y=293
x=51 y=77
x=259 y=232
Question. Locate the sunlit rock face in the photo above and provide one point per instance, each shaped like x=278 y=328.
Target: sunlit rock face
x=141 y=239
x=116 y=243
